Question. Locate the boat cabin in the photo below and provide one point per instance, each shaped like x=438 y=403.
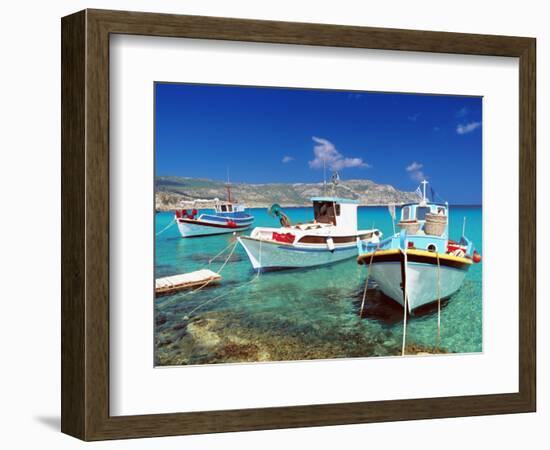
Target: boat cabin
x=418 y=211
x=336 y=211
x=222 y=208
x=228 y=208
x=424 y=219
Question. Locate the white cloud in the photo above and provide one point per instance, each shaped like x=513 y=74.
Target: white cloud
x=467 y=127
x=414 y=166
x=288 y=159
x=326 y=154
x=415 y=171
x=462 y=112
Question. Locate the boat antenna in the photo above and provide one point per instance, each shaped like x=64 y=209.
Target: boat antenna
x=464 y=227
x=335 y=180
x=391 y=209
x=324 y=177
x=424 y=183
x=228 y=186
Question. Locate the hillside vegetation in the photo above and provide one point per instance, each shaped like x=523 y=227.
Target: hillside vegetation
x=170 y=191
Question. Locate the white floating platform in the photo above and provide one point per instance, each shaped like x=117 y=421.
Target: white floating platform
x=168 y=285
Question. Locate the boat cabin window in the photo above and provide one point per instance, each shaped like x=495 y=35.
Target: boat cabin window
x=408 y=213
x=421 y=212
x=226 y=208
x=326 y=212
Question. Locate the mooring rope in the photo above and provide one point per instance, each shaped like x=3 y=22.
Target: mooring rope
x=207 y=282
x=188 y=315
x=438 y=301
x=405 y=303
x=166 y=227
x=211 y=260
x=218 y=272
x=260 y=269
x=367 y=283
x=228 y=257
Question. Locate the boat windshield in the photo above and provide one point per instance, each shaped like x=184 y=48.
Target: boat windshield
x=226 y=208
x=421 y=212
x=326 y=212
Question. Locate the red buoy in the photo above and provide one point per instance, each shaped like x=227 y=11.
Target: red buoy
x=476 y=257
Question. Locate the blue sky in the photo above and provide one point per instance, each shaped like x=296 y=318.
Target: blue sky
x=264 y=135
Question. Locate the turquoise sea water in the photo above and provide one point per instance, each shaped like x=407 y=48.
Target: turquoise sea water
x=301 y=314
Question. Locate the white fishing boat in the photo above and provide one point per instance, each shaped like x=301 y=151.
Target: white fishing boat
x=419 y=264
x=332 y=236
x=227 y=217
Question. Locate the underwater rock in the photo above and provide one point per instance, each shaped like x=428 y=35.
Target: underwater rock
x=380 y=350
x=179 y=326
x=418 y=349
x=160 y=319
x=164 y=342
x=228 y=337
x=201 y=334
x=233 y=352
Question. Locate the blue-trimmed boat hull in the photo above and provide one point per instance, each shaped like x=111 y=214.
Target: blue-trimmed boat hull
x=210 y=224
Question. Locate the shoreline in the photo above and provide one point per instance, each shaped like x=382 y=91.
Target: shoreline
x=164 y=208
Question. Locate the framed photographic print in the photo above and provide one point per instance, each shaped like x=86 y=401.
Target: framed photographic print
x=271 y=224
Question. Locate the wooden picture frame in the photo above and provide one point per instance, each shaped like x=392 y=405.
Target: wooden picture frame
x=85 y=224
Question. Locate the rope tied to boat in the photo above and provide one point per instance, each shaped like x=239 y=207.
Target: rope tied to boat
x=188 y=315
x=172 y=222
x=202 y=286
x=438 y=301
x=211 y=260
x=367 y=282
x=405 y=301
x=260 y=257
x=207 y=282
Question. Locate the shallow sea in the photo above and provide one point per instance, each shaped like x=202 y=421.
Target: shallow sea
x=301 y=314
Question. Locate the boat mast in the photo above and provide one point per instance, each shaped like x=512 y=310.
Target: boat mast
x=424 y=183
x=324 y=177
x=335 y=179
x=228 y=187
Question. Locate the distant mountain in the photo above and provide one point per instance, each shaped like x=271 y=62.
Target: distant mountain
x=169 y=191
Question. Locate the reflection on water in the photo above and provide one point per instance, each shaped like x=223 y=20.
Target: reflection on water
x=300 y=314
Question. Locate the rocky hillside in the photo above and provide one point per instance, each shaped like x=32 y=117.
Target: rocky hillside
x=171 y=190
